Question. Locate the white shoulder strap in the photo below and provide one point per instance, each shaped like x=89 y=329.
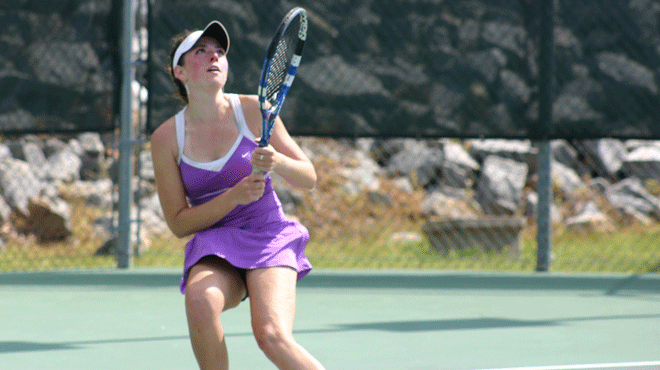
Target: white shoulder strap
x=235 y=101
x=180 y=122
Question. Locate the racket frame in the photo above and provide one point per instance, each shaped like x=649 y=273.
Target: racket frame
x=270 y=111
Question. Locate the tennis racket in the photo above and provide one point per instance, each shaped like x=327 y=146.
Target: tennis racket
x=280 y=67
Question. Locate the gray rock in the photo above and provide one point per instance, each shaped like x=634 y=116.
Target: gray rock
x=566 y=179
x=643 y=162
x=500 y=185
x=622 y=69
x=64 y=166
x=417 y=161
x=19 y=184
x=604 y=157
x=459 y=169
x=630 y=197
x=518 y=150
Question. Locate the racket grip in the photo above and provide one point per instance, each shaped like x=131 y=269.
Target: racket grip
x=255 y=170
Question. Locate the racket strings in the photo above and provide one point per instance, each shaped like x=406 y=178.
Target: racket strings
x=284 y=52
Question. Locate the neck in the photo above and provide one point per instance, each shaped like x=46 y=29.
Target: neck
x=207 y=107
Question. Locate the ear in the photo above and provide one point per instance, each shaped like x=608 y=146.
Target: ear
x=180 y=73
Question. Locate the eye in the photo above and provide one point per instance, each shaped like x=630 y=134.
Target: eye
x=200 y=50
x=217 y=50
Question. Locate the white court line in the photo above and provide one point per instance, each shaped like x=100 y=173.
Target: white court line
x=652 y=365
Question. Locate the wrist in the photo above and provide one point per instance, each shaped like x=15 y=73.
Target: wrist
x=229 y=198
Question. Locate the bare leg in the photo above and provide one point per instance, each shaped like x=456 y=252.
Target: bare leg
x=213 y=286
x=273 y=306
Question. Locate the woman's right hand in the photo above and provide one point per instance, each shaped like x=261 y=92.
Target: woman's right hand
x=249 y=189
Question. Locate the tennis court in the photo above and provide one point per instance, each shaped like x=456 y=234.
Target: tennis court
x=134 y=319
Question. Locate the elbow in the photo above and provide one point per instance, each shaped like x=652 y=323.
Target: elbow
x=305 y=180
x=313 y=179
x=310 y=184
x=177 y=231
x=179 y=234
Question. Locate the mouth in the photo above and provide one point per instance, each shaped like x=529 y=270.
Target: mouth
x=214 y=69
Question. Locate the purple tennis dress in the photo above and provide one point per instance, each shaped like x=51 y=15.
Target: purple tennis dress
x=251 y=236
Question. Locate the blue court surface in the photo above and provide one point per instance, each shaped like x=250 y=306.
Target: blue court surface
x=134 y=319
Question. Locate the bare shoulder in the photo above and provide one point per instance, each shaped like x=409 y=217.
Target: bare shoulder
x=164 y=137
x=249 y=101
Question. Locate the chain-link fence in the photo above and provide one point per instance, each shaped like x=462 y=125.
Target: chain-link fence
x=398 y=203
x=58 y=66
x=419 y=68
x=465 y=71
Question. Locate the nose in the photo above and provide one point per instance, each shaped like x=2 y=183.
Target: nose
x=217 y=54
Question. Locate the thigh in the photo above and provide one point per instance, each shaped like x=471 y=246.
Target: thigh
x=272 y=297
x=217 y=277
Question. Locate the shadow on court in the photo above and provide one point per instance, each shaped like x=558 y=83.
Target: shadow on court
x=479 y=281
x=135 y=319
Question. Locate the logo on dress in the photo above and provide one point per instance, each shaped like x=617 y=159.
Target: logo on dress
x=245 y=155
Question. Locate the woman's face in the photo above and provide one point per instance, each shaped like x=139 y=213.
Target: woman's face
x=204 y=64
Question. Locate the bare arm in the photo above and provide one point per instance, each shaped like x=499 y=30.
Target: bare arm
x=283 y=155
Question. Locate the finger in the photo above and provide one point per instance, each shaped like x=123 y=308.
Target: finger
x=256 y=177
x=261 y=152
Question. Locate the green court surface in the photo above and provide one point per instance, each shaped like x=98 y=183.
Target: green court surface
x=134 y=319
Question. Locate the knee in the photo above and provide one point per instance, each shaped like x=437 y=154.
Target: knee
x=204 y=297
x=272 y=339
x=203 y=305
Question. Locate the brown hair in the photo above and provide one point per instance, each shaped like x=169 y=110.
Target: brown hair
x=181 y=92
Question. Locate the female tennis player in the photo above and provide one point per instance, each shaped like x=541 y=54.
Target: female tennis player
x=241 y=242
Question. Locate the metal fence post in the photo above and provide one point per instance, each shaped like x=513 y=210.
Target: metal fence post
x=546 y=76
x=123 y=247
x=543 y=218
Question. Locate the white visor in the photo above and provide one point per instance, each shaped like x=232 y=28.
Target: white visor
x=214 y=29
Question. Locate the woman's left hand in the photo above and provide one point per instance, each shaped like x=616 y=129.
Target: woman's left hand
x=263 y=158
